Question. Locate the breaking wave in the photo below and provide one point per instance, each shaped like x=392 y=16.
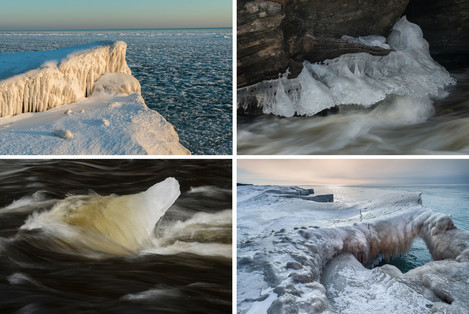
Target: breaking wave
x=96 y=226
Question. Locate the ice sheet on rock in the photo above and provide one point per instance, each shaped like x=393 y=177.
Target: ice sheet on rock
x=38 y=81
x=288 y=246
x=358 y=79
x=352 y=288
x=371 y=40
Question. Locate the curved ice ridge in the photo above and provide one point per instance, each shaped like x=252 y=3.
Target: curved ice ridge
x=298 y=282
x=360 y=79
x=93 y=225
x=38 y=81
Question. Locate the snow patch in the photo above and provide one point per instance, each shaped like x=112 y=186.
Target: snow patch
x=133 y=129
x=371 y=40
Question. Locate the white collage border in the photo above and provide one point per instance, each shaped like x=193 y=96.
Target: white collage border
x=235 y=157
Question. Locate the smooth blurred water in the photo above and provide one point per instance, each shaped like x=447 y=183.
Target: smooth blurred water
x=382 y=129
x=452 y=200
x=37 y=278
x=186 y=75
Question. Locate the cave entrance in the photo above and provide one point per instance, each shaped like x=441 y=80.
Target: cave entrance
x=418 y=255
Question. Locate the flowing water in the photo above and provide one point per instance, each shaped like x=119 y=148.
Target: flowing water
x=186 y=75
x=78 y=236
x=387 y=128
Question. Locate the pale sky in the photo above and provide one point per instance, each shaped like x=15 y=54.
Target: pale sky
x=352 y=171
x=113 y=14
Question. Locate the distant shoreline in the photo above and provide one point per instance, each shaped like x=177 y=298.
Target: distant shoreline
x=117 y=30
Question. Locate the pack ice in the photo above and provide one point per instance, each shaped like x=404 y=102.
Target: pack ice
x=86 y=92
x=296 y=255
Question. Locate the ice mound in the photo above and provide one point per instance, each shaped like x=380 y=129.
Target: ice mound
x=118 y=225
x=38 y=81
x=357 y=79
x=345 y=279
x=116 y=84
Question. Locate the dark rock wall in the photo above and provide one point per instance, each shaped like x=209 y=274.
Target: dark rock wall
x=445 y=25
x=279 y=34
x=276 y=35
x=261 y=49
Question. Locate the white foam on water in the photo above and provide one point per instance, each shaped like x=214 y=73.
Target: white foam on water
x=207 y=234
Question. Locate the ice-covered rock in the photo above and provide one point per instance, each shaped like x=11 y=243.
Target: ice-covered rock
x=309 y=257
x=358 y=79
x=102 y=109
x=38 y=81
x=63 y=134
x=108 y=125
x=116 y=84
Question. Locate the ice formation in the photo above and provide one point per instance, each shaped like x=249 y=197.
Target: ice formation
x=371 y=40
x=112 y=224
x=94 y=77
x=99 y=227
x=357 y=79
x=116 y=84
x=51 y=79
x=318 y=268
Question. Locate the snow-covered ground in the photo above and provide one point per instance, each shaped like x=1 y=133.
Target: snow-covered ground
x=300 y=256
x=78 y=100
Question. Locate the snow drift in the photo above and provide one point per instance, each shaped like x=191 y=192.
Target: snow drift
x=357 y=79
x=50 y=79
